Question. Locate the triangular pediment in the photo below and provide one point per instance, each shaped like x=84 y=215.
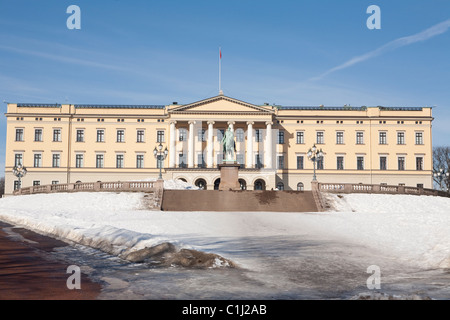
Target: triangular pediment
x=221 y=104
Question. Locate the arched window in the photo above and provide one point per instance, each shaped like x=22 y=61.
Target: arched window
x=217 y=184
x=300 y=186
x=200 y=183
x=259 y=185
x=243 y=184
x=280 y=186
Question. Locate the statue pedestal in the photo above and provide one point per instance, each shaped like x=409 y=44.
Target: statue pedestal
x=229 y=178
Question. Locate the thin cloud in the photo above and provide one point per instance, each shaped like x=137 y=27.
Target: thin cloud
x=63 y=59
x=400 y=42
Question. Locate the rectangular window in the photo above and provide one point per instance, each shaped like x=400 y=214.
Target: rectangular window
x=401 y=163
x=340 y=137
x=400 y=138
x=100 y=135
x=99 y=161
x=219 y=158
x=79 y=161
x=37 y=134
x=258 y=161
x=419 y=138
x=182 y=135
x=340 y=163
x=319 y=163
x=239 y=135
x=319 y=137
x=119 y=161
x=80 y=135
x=419 y=163
x=220 y=134
x=240 y=159
x=280 y=162
x=160 y=136
x=56 y=160
x=56 y=135
x=200 y=135
x=383 y=137
x=139 y=161
x=37 y=160
x=182 y=160
x=19 y=134
x=300 y=137
x=140 y=136
x=359 y=137
x=360 y=163
x=383 y=163
x=120 y=136
x=55 y=182
x=18 y=159
x=201 y=161
x=300 y=162
x=281 y=137
x=258 y=135
x=36 y=183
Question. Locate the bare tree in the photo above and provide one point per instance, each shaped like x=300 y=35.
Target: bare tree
x=441 y=164
x=2 y=186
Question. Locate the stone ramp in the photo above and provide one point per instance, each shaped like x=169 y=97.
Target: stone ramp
x=215 y=200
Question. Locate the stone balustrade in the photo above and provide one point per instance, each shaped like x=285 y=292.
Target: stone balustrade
x=119 y=186
x=377 y=188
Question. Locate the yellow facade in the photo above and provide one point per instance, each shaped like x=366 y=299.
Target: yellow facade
x=69 y=143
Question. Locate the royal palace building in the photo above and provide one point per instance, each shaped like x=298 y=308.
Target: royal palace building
x=66 y=143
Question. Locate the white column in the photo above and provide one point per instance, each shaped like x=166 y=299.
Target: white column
x=210 y=146
x=269 y=146
x=191 y=145
x=249 y=144
x=172 y=144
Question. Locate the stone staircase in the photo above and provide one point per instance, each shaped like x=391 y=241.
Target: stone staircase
x=239 y=200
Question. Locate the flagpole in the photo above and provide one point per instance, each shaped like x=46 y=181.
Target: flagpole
x=220 y=70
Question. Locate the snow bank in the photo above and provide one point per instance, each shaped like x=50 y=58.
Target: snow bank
x=91 y=219
x=413 y=229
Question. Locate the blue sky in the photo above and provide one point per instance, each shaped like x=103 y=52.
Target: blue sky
x=283 y=52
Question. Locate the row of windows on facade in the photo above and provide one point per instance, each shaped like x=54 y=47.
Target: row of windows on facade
x=382 y=137
x=80 y=136
x=383 y=165
x=79 y=161
x=239 y=133
x=82 y=119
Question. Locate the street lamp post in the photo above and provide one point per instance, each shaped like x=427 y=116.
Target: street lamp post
x=161 y=156
x=19 y=171
x=314 y=154
x=440 y=175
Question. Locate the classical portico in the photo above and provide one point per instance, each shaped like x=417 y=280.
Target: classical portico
x=203 y=123
x=196 y=131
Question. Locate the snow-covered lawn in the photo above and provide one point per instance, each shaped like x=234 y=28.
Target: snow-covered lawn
x=414 y=229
